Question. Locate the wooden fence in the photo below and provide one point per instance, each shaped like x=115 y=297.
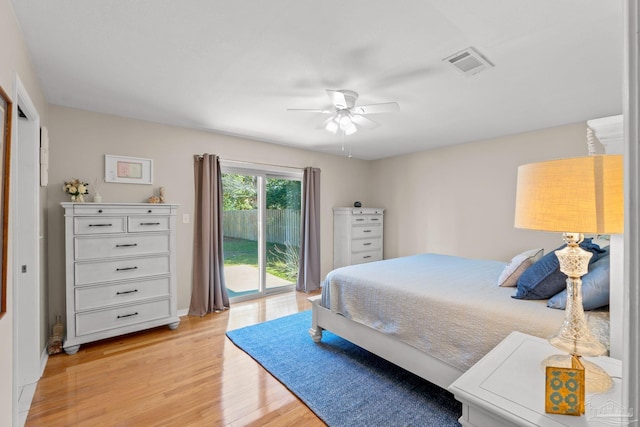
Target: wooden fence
x=283 y=225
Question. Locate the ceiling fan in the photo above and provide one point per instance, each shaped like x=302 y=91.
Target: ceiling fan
x=345 y=116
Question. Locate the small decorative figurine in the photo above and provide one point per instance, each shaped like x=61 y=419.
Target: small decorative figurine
x=157 y=199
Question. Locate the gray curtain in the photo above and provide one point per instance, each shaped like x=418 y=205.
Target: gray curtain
x=309 y=269
x=208 y=290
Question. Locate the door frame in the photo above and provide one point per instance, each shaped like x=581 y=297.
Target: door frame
x=264 y=172
x=25 y=212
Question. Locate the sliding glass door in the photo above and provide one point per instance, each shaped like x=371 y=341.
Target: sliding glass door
x=261 y=223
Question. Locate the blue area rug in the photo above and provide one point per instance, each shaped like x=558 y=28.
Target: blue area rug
x=340 y=382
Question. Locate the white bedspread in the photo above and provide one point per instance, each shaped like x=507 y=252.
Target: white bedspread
x=449 y=307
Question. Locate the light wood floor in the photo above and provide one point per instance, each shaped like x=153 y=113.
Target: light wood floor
x=193 y=376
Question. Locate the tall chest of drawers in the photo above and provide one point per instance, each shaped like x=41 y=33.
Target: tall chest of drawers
x=357 y=235
x=120 y=269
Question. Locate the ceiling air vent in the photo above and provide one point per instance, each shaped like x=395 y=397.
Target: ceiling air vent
x=468 y=61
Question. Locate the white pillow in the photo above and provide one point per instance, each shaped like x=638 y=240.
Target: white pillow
x=517 y=266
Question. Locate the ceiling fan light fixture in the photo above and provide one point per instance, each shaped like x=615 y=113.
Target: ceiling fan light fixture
x=350 y=130
x=332 y=126
x=345 y=121
x=346 y=116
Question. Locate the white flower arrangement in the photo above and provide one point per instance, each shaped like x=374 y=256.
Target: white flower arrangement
x=77 y=189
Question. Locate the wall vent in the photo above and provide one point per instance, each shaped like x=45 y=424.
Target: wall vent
x=468 y=61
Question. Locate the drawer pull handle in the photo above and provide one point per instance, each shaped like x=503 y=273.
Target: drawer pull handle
x=126 y=268
x=127 y=292
x=128 y=315
x=359 y=219
x=99 y=210
x=100 y=225
x=366 y=256
x=367 y=244
x=375 y=219
x=366 y=231
x=127 y=245
x=149 y=223
x=149 y=211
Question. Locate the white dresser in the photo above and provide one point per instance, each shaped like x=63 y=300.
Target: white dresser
x=357 y=235
x=120 y=269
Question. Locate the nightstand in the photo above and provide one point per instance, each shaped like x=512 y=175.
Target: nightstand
x=507 y=386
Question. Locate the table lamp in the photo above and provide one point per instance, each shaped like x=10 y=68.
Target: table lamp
x=574 y=196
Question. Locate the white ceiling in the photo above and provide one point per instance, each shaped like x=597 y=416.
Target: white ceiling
x=234 y=67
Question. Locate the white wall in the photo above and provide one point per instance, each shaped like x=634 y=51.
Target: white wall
x=455 y=200
x=80 y=139
x=460 y=200
x=14 y=59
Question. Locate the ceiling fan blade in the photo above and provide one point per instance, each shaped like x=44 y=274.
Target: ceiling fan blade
x=364 y=122
x=337 y=98
x=305 y=110
x=384 y=107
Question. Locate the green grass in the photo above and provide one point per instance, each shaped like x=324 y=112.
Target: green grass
x=245 y=252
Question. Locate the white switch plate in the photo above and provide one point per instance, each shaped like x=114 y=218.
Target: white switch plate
x=185 y=218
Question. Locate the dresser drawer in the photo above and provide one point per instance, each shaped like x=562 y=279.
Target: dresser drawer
x=366 y=244
x=117 y=317
x=360 y=257
x=366 y=232
x=93 y=209
x=121 y=269
x=359 y=219
x=366 y=219
x=374 y=219
x=138 y=224
x=98 y=225
x=92 y=247
x=93 y=297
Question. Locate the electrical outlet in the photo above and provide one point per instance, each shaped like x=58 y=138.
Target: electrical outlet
x=185 y=218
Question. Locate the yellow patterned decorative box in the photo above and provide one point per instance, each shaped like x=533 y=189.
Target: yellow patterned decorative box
x=564 y=389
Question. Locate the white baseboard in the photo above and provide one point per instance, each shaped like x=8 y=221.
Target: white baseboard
x=43 y=360
x=27 y=392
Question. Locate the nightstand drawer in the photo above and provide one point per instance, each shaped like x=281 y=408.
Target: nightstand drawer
x=117 y=246
x=94 y=297
x=98 y=225
x=121 y=269
x=102 y=320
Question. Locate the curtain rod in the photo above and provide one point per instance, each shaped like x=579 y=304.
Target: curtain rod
x=200 y=156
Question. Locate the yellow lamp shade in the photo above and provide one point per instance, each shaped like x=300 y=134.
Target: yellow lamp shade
x=578 y=195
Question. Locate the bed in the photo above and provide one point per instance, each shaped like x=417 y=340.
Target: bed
x=434 y=315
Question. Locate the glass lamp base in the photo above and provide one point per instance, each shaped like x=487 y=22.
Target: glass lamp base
x=596 y=379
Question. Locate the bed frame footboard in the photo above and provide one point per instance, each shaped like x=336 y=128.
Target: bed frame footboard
x=413 y=360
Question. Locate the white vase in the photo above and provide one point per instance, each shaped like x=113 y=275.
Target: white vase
x=97 y=198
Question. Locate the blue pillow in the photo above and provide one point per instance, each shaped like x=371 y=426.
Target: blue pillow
x=544 y=279
x=595 y=288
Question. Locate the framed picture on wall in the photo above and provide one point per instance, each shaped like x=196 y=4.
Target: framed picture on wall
x=6 y=110
x=128 y=170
